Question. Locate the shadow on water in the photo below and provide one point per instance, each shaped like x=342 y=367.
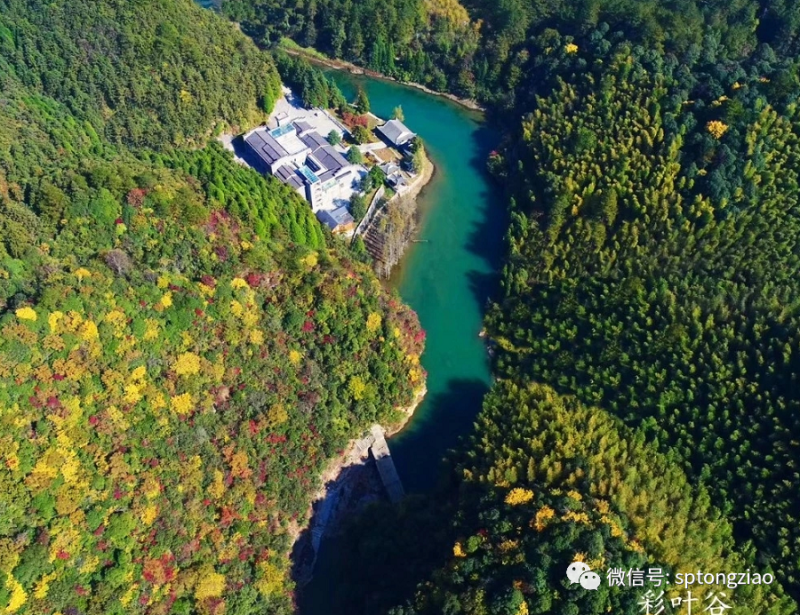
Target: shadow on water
x=449 y=415
x=352 y=569
x=447 y=279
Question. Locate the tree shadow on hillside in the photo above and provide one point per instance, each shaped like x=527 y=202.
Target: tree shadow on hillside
x=386 y=550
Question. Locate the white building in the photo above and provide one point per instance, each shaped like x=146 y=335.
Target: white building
x=298 y=156
x=396 y=133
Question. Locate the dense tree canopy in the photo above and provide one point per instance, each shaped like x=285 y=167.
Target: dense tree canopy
x=653 y=253
x=182 y=347
x=545 y=481
x=645 y=340
x=478 y=48
x=148 y=72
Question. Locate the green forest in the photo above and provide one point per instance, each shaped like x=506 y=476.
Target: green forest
x=649 y=289
x=183 y=348
x=645 y=344
x=651 y=270
x=480 y=49
x=543 y=481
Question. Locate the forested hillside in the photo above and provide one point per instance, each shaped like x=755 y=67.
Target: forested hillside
x=646 y=338
x=182 y=349
x=479 y=49
x=652 y=269
x=153 y=73
x=545 y=481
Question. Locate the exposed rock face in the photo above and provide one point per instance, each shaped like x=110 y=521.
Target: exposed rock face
x=393 y=227
x=349 y=484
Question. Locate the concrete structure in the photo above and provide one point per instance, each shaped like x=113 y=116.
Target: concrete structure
x=396 y=133
x=383 y=460
x=300 y=157
x=276 y=148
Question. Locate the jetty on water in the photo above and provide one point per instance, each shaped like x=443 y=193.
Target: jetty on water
x=385 y=464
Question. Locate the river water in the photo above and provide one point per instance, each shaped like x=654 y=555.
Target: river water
x=448 y=276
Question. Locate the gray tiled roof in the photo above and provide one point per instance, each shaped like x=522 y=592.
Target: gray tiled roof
x=330 y=158
x=313 y=140
x=323 y=177
x=289 y=176
x=295 y=182
x=389 y=168
x=284 y=173
x=337 y=217
x=265 y=146
x=396 y=132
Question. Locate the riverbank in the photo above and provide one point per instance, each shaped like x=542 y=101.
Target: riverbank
x=348 y=483
x=388 y=226
x=423 y=179
x=446 y=277
x=358 y=70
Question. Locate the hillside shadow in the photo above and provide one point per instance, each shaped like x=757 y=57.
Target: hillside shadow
x=487 y=235
x=354 y=488
x=340 y=582
x=449 y=415
x=387 y=551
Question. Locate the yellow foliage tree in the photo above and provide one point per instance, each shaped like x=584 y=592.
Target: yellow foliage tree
x=717 y=128
x=544 y=514
x=187 y=364
x=239 y=465
x=182 y=404
x=519 y=496
x=357 y=387
x=270 y=579
x=277 y=415
x=26 y=313
x=18 y=595
x=210 y=584
x=373 y=322
x=53 y=319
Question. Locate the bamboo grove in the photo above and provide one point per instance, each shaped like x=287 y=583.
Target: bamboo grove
x=547 y=480
x=652 y=271
x=646 y=347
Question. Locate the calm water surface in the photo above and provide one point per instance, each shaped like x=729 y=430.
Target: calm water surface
x=448 y=279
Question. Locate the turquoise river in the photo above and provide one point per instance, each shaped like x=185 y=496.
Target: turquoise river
x=446 y=278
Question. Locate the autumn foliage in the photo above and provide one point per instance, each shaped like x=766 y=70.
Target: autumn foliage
x=161 y=428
